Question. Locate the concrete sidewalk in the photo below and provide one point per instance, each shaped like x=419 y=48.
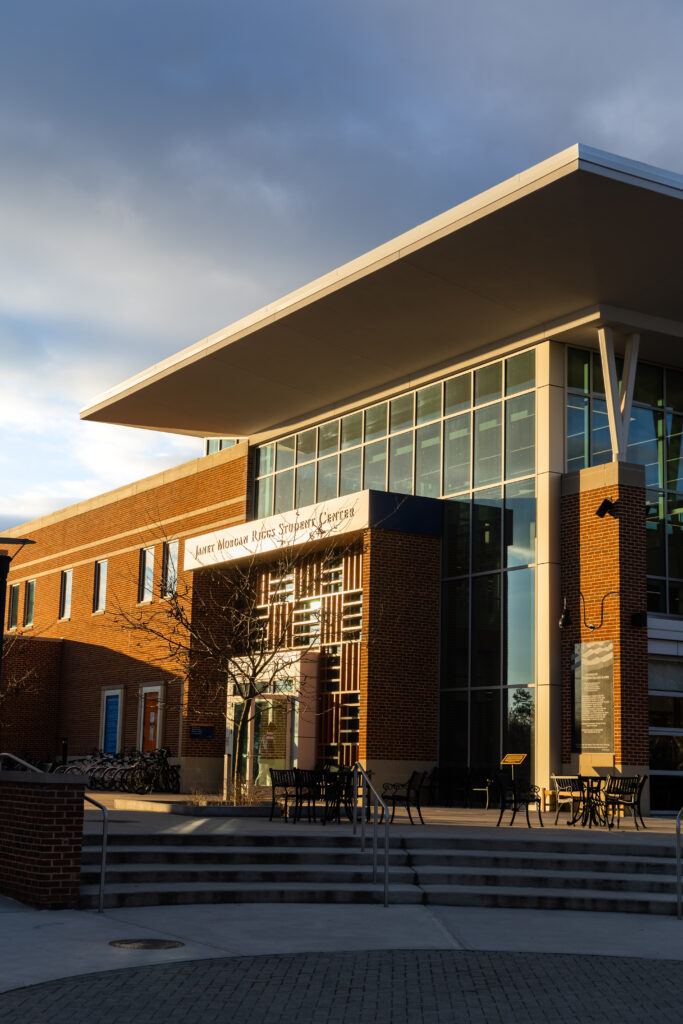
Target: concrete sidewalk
x=37 y=946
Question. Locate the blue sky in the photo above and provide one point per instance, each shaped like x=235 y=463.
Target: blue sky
x=167 y=167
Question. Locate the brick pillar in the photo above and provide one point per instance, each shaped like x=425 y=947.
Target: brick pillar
x=600 y=555
x=41 y=834
x=399 y=674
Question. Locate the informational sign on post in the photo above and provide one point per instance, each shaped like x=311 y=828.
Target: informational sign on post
x=593 y=688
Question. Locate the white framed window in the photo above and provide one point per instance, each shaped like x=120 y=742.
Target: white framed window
x=29 y=601
x=169 y=569
x=13 y=607
x=65 y=586
x=111 y=717
x=99 y=596
x=146 y=575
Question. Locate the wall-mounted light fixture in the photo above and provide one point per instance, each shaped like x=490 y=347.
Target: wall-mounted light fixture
x=566 y=619
x=607 y=507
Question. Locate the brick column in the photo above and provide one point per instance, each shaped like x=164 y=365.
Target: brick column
x=600 y=555
x=399 y=674
x=41 y=834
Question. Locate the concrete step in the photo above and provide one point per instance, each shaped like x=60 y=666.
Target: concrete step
x=135 y=854
x=269 y=874
x=288 y=837
x=623 y=882
x=159 y=894
x=548 y=899
x=540 y=861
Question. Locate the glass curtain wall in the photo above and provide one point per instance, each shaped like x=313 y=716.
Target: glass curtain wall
x=655 y=436
x=467 y=432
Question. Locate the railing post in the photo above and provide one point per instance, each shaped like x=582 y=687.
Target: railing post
x=363 y=790
x=354 y=801
x=374 y=839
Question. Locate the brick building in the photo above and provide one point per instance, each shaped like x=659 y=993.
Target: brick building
x=471 y=439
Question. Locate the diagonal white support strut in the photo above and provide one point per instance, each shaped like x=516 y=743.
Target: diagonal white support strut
x=618 y=406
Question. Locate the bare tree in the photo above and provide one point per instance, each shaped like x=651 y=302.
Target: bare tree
x=231 y=633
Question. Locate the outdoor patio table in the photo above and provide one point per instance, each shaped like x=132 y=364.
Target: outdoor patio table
x=591 y=808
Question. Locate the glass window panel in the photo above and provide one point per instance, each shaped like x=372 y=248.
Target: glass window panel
x=13 y=609
x=666 y=753
x=674 y=530
x=601 y=444
x=169 y=569
x=428 y=460
x=452 y=738
x=598 y=379
x=401 y=463
x=666 y=793
x=654 y=534
x=674 y=451
x=486 y=530
x=577 y=432
x=518 y=728
x=520 y=622
x=305 y=445
x=646 y=444
x=376 y=422
x=284 y=456
x=676 y=599
x=284 y=491
x=328 y=438
x=264 y=497
x=520 y=436
x=484 y=733
x=656 y=596
x=520 y=372
x=327 y=478
x=350 y=472
x=485 y=631
x=674 y=389
x=665 y=712
x=428 y=402
x=520 y=523
x=213 y=445
x=146 y=581
x=456 y=545
x=649 y=385
x=455 y=633
x=375 y=466
x=665 y=675
x=265 y=459
x=305 y=485
x=487 y=445
x=401 y=413
x=456 y=461
x=488 y=383
x=29 y=601
x=458 y=394
x=65 y=596
x=578 y=369
x=352 y=430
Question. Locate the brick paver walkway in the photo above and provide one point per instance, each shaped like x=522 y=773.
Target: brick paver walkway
x=385 y=987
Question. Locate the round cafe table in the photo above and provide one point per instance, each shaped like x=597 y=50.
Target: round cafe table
x=591 y=808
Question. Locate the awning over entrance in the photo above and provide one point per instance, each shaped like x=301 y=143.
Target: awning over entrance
x=581 y=230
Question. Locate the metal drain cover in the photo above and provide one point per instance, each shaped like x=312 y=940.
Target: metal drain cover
x=146 y=943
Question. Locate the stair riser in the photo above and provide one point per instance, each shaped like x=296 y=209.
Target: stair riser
x=164 y=899
x=312 y=877
x=537 y=901
x=547 y=881
x=182 y=857
x=619 y=866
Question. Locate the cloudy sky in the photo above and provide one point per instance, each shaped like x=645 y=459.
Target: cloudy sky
x=168 y=166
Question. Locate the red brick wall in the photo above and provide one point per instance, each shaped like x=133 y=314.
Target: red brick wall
x=598 y=556
x=207 y=494
x=29 y=696
x=41 y=830
x=400 y=646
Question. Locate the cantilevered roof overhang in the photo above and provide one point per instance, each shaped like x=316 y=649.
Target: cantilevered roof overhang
x=580 y=231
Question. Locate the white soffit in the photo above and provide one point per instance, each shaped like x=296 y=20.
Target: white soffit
x=584 y=228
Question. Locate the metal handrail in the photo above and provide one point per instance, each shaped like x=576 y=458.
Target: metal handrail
x=358 y=770
x=679 y=899
x=105 y=823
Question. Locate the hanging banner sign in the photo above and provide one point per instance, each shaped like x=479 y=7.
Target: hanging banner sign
x=300 y=526
x=593 y=688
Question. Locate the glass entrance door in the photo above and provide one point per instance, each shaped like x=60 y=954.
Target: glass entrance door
x=264 y=740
